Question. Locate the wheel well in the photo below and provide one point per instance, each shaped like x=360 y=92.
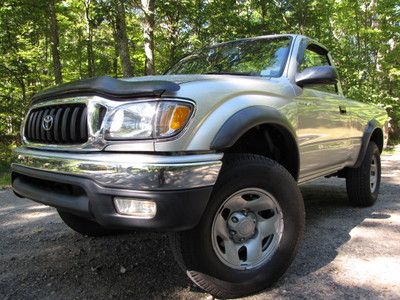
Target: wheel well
x=273 y=141
x=377 y=138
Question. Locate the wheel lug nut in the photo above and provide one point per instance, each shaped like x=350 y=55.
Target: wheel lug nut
x=232 y=232
x=234 y=219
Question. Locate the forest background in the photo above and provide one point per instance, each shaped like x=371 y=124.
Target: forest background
x=43 y=43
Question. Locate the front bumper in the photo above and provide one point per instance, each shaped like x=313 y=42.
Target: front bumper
x=126 y=170
x=85 y=184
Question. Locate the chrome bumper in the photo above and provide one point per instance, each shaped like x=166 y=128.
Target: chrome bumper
x=125 y=170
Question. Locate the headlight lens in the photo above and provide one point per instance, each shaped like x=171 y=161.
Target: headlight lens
x=147 y=120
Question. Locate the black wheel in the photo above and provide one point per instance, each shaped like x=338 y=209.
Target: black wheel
x=82 y=225
x=249 y=232
x=363 y=183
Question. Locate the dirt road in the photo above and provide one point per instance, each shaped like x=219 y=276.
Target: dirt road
x=347 y=252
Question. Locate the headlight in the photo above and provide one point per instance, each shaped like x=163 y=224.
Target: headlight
x=147 y=120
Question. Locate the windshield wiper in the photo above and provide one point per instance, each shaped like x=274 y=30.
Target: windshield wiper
x=232 y=73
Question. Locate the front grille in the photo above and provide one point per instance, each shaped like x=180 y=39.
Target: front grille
x=58 y=124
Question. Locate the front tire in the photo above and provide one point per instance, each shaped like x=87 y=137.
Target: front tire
x=363 y=183
x=249 y=232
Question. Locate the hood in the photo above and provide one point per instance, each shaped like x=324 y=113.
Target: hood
x=192 y=85
x=154 y=86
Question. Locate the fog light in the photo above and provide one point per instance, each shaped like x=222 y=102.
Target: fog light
x=141 y=209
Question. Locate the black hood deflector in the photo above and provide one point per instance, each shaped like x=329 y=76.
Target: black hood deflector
x=109 y=87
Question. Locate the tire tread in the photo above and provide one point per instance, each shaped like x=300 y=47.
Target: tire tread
x=358 y=180
x=216 y=287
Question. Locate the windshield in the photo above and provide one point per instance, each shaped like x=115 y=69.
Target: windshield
x=253 y=57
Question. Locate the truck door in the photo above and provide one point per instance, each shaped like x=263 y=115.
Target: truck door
x=324 y=127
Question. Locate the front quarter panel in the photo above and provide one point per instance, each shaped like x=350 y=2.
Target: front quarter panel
x=218 y=100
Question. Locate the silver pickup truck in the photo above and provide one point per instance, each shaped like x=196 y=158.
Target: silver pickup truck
x=212 y=152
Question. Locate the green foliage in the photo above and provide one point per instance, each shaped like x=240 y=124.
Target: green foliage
x=6 y=148
x=362 y=34
x=5 y=179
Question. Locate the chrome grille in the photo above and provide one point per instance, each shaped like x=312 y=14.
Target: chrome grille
x=58 y=124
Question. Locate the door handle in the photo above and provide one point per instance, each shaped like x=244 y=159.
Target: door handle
x=342 y=109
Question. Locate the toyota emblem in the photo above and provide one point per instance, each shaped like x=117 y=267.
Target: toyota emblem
x=47 y=122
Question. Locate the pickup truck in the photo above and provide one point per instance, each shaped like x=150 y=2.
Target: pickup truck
x=212 y=152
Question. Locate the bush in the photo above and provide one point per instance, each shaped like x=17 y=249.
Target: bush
x=7 y=144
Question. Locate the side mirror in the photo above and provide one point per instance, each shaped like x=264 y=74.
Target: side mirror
x=317 y=75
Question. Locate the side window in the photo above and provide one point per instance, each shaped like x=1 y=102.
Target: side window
x=315 y=56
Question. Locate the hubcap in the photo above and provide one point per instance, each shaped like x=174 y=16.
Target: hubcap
x=373 y=177
x=242 y=226
x=247 y=228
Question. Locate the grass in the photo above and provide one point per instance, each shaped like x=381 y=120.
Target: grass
x=5 y=180
x=390 y=150
x=5 y=161
x=393 y=146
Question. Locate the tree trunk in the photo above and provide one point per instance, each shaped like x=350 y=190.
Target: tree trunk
x=89 y=41
x=80 y=50
x=115 y=61
x=172 y=49
x=300 y=9
x=121 y=38
x=375 y=26
x=148 y=7
x=54 y=38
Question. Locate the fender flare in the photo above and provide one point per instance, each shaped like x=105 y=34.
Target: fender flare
x=244 y=120
x=369 y=130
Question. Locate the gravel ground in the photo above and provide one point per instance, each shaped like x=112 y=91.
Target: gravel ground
x=347 y=252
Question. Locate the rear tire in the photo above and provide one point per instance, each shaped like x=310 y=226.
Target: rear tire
x=363 y=183
x=83 y=226
x=262 y=192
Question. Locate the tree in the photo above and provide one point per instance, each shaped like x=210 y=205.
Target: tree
x=54 y=38
x=121 y=38
x=89 y=40
x=148 y=7
x=42 y=42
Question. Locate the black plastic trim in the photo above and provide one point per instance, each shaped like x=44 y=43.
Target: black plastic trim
x=108 y=87
x=245 y=119
x=311 y=44
x=317 y=75
x=369 y=130
x=176 y=210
